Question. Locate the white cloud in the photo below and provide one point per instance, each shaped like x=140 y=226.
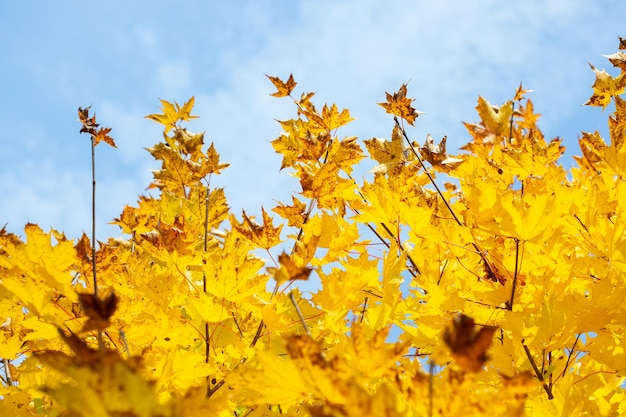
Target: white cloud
x=347 y=52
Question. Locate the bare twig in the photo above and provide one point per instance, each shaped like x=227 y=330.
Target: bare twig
x=93 y=232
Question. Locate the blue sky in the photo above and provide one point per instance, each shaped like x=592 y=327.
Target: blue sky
x=121 y=57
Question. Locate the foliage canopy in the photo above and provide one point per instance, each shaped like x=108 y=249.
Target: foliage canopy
x=499 y=273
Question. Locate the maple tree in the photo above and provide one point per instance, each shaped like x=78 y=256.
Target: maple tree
x=488 y=282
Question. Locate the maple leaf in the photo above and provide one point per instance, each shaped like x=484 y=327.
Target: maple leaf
x=213 y=161
x=295 y=214
x=528 y=116
x=495 y=123
x=173 y=113
x=398 y=104
x=90 y=126
x=284 y=88
x=391 y=155
x=605 y=87
x=618 y=59
x=289 y=270
x=264 y=236
x=98 y=310
x=103 y=136
x=436 y=154
x=468 y=345
x=332 y=119
x=521 y=92
x=301 y=142
x=98 y=383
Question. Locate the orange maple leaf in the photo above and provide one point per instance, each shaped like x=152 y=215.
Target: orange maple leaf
x=89 y=125
x=265 y=236
x=399 y=105
x=284 y=88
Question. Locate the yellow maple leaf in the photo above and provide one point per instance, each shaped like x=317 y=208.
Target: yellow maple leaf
x=391 y=155
x=213 y=161
x=399 y=105
x=495 y=123
x=294 y=214
x=332 y=119
x=289 y=270
x=436 y=154
x=264 y=236
x=520 y=93
x=618 y=59
x=284 y=88
x=605 y=87
x=173 y=113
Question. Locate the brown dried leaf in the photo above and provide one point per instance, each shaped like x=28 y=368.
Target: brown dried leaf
x=98 y=310
x=468 y=343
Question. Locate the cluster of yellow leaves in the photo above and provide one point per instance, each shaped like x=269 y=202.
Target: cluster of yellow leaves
x=490 y=282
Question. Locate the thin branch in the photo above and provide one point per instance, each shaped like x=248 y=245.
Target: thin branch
x=546 y=388
x=432 y=180
x=364 y=309
x=569 y=356
x=257 y=335
x=93 y=215
x=93 y=233
x=415 y=270
x=232 y=313
x=509 y=304
x=431 y=388
x=297 y=307
x=207 y=336
x=445 y=264
x=490 y=272
x=581 y=222
x=511 y=124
